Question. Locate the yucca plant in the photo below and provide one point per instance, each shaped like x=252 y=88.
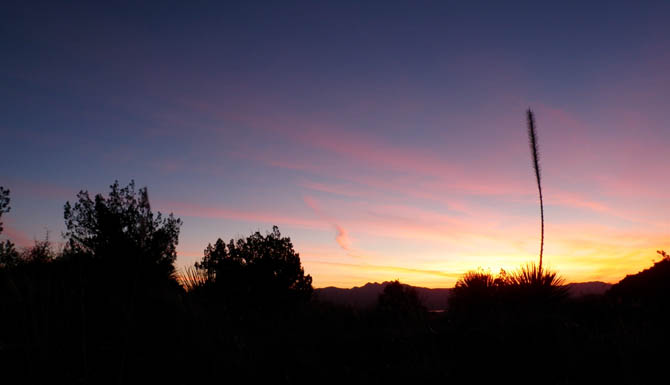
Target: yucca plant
x=532 y=139
x=192 y=278
x=474 y=291
x=478 y=280
x=534 y=281
x=532 y=275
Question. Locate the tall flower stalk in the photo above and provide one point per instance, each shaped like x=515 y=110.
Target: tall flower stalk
x=532 y=139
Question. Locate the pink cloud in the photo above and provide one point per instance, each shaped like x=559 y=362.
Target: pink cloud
x=342 y=236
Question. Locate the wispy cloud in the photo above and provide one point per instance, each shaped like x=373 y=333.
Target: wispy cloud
x=342 y=236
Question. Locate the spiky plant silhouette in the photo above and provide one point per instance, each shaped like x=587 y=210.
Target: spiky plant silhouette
x=191 y=279
x=474 y=293
x=532 y=139
x=531 y=281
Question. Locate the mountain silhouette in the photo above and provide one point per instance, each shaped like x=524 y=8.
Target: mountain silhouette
x=432 y=299
x=367 y=295
x=580 y=289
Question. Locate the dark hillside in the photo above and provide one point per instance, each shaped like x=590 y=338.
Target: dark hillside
x=651 y=285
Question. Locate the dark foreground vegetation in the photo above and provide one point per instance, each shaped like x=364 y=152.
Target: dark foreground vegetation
x=109 y=308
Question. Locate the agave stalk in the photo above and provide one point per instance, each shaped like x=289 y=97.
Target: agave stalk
x=532 y=139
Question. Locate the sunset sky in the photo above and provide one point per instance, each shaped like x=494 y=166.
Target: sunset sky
x=387 y=139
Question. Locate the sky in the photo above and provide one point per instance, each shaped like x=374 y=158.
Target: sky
x=387 y=139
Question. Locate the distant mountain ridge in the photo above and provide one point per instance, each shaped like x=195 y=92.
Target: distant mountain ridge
x=581 y=289
x=366 y=295
x=433 y=299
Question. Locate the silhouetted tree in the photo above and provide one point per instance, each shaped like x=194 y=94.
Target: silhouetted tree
x=39 y=252
x=532 y=139
x=256 y=266
x=122 y=225
x=9 y=257
x=400 y=302
x=4 y=203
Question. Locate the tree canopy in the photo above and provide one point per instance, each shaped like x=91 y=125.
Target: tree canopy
x=400 y=302
x=8 y=254
x=122 y=225
x=263 y=265
x=4 y=203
